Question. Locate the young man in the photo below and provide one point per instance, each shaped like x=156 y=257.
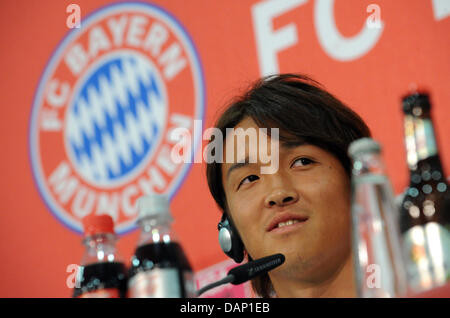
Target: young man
x=302 y=209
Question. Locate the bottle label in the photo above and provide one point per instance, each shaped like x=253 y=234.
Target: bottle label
x=101 y=293
x=410 y=142
x=426 y=142
x=155 y=283
x=427 y=249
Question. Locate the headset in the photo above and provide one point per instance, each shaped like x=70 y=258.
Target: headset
x=229 y=239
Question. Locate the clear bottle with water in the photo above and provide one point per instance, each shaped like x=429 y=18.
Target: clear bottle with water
x=379 y=269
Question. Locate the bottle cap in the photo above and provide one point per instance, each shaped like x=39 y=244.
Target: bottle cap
x=154 y=205
x=363 y=145
x=97 y=224
x=417 y=99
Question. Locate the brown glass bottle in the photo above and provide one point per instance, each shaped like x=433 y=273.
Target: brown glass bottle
x=425 y=210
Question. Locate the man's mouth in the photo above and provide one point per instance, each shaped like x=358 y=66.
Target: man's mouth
x=286 y=221
x=290 y=222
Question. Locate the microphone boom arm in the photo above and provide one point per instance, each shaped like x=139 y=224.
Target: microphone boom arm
x=245 y=272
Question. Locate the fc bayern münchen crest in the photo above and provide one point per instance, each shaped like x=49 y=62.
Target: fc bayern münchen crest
x=104 y=110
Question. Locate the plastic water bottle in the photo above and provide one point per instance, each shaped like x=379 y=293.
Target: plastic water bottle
x=102 y=273
x=159 y=267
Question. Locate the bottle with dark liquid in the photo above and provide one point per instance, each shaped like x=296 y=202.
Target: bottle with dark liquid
x=159 y=267
x=425 y=210
x=102 y=273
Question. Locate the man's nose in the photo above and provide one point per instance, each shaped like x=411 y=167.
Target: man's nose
x=282 y=195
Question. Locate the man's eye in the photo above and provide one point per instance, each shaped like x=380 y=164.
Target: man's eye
x=248 y=179
x=302 y=162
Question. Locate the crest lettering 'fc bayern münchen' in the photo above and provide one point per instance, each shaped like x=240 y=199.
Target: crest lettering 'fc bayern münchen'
x=100 y=129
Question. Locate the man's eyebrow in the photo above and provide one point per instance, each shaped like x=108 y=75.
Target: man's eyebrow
x=245 y=162
x=237 y=165
x=292 y=144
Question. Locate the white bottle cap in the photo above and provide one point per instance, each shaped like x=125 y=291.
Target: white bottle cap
x=154 y=205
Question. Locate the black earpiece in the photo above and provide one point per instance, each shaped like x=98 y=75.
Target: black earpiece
x=229 y=239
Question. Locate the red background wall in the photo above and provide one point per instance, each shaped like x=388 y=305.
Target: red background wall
x=414 y=47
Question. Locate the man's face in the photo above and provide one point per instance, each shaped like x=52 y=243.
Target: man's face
x=302 y=210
